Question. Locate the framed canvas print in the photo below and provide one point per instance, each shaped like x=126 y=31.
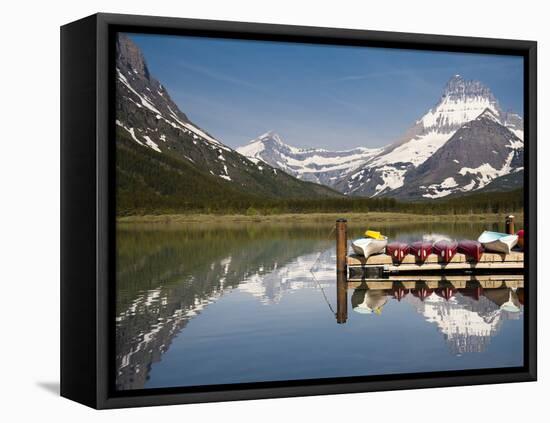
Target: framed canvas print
x=255 y=211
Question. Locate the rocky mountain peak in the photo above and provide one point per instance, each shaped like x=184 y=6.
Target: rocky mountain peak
x=461 y=102
x=129 y=56
x=270 y=137
x=488 y=114
x=458 y=88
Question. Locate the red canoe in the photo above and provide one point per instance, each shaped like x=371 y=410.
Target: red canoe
x=397 y=251
x=445 y=250
x=421 y=250
x=520 y=234
x=471 y=249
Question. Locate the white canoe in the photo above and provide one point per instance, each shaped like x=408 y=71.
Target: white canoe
x=498 y=242
x=368 y=246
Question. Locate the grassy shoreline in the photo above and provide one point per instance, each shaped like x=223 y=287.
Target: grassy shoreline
x=315 y=217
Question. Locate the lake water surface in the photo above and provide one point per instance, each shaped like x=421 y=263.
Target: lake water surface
x=246 y=302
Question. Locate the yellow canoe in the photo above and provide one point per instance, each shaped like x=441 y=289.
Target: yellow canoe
x=374 y=234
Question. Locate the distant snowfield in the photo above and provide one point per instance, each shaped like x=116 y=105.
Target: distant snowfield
x=308 y=164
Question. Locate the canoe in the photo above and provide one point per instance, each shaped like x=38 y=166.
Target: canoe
x=421 y=250
x=520 y=234
x=471 y=249
x=368 y=246
x=445 y=250
x=498 y=242
x=397 y=251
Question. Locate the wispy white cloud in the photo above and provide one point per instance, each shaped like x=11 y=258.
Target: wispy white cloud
x=451 y=70
x=368 y=75
x=220 y=76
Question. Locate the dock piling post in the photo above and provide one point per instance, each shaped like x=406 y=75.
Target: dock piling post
x=510 y=225
x=341 y=298
x=341 y=245
x=341 y=271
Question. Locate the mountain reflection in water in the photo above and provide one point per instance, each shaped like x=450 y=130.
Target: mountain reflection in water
x=467 y=318
x=170 y=278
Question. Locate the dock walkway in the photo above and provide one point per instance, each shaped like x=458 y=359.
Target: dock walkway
x=383 y=264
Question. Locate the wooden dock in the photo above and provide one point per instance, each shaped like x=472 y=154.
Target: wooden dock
x=493 y=271
x=438 y=281
x=382 y=265
x=489 y=262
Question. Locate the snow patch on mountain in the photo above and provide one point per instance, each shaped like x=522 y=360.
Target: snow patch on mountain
x=443 y=189
x=151 y=143
x=392 y=179
x=453 y=112
x=486 y=173
x=415 y=152
x=144 y=102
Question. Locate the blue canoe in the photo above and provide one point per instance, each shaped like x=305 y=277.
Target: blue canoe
x=498 y=242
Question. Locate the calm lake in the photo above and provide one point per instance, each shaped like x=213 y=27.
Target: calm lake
x=245 y=302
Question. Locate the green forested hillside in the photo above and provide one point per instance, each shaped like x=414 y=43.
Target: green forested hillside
x=501 y=202
x=155 y=183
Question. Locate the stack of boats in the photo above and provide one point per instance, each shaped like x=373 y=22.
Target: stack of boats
x=495 y=242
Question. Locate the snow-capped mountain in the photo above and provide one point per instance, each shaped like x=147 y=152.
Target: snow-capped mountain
x=478 y=153
x=394 y=170
x=314 y=165
x=462 y=102
x=163 y=158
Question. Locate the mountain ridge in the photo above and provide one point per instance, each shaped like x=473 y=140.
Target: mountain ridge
x=384 y=171
x=312 y=164
x=156 y=139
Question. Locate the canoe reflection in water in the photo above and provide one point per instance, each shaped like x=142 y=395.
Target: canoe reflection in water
x=368 y=301
x=467 y=316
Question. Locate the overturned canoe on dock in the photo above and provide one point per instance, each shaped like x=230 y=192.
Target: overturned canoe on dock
x=471 y=249
x=368 y=246
x=421 y=250
x=520 y=234
x=397 y=251
x=445 y=250
x=498 y=242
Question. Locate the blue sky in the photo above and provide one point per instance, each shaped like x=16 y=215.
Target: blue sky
x=315 y=95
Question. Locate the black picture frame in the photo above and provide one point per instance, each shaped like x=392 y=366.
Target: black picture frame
x=87 y=209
